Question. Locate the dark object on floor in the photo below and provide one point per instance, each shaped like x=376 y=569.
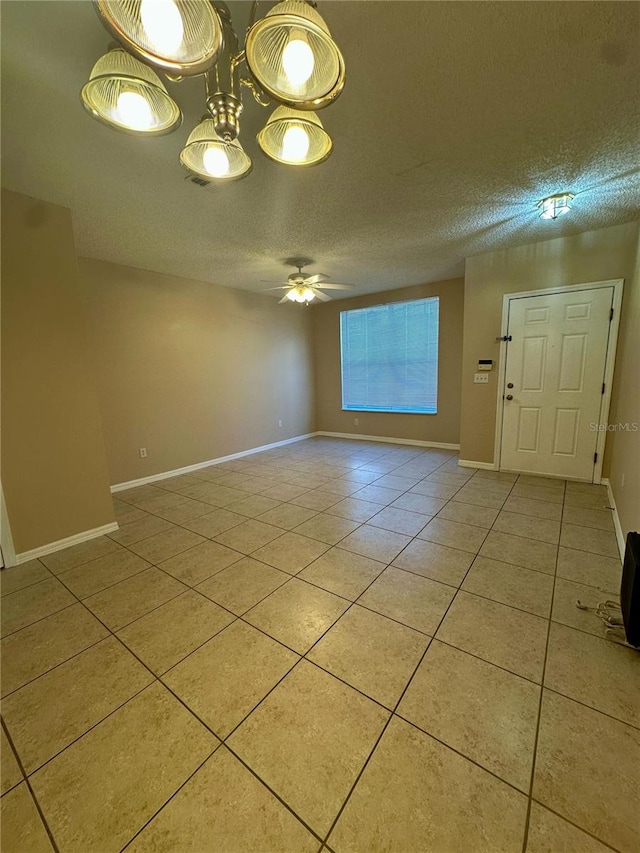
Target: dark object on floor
x=630 y=589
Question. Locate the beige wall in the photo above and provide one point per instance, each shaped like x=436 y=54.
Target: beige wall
x=608 y=253
x=441 y=427
x=54 y=467
x=622 y=457
x=192 y=371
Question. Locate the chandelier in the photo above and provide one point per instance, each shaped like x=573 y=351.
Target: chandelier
x=289 y=54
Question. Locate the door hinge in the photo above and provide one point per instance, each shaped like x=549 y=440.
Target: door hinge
x=504 y=338
x=611 y=315
x=595 y=458
x=603 y=387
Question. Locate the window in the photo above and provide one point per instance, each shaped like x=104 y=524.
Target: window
x=390 y=357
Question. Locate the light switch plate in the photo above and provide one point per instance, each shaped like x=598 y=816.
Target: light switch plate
x=480 y=378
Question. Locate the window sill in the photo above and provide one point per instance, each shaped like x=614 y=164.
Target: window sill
x=391 y=411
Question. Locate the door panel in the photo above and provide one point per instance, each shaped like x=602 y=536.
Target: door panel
x=529 y=431
x=533 y=364
x=580 y=311
x=555 y=363
x=567 y=431
x=572 y=362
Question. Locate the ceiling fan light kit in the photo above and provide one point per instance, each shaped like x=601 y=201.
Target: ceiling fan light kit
x=290 y=54
x=304 y=287
x=299 y=294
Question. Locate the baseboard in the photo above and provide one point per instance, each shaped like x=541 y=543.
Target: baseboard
x=76 y=539
x=166 y=475
x=389 y=440
x=616 y=519
x=484 y=466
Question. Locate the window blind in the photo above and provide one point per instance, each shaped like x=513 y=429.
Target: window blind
x=390 y=357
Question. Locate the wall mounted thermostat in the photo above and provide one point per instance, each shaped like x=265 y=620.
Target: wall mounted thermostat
x=485 y=364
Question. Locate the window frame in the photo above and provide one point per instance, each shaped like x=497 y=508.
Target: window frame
x=387 y=409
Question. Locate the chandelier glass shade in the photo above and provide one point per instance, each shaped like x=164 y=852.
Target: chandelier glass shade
x=295 y=138
x=129 y=96
x=213 y=158
x=182 y=37
x=292 y=56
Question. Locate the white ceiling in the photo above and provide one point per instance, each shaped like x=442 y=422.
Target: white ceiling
x=456 y=119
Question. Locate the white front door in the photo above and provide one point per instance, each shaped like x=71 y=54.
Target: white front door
x=555 y=366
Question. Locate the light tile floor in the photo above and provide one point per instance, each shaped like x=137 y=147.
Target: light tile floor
x=332 y=646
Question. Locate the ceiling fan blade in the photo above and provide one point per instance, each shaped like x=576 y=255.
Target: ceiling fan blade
x=337 y=286
x=285 y=298
x=321 y=296
x=272 y=281
x=314 y=279
x=280 y=287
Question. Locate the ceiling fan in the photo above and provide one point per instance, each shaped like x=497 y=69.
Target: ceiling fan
x=303 y=287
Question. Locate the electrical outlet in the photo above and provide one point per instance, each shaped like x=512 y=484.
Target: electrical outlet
x=622 y=482
x=143 y=453
x=356 y=421
x=480 y=378
x=279 y=423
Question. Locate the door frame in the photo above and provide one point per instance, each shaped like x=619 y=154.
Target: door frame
x=612 y=343
x=6 y=540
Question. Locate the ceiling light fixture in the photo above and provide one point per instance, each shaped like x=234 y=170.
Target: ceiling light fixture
x=555 y=205
x=291 y=57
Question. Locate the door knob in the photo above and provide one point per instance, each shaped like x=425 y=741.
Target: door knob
x=509 y=396
x=509 y=384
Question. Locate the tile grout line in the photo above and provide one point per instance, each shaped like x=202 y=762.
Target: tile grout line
x=222 y=745
x=184 y=705
x=26 y=780
x=539 y=717
x=178 y=524
x=504 y=604
x=304 y=655
x=392 y=715
x=55 y=666
x=249 y=556
x=151 y=565
x=187 y=587
x=223 y=741
x=263 y=699
x=188 y=779
x=36 y=621
x=577 y=826
x=28 y=585
x=156 y=565
x=257 y=518
x=457 y=752
x=284 y=583
x=91 y=727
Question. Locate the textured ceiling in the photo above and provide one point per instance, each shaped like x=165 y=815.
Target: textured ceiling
x=456 y=119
